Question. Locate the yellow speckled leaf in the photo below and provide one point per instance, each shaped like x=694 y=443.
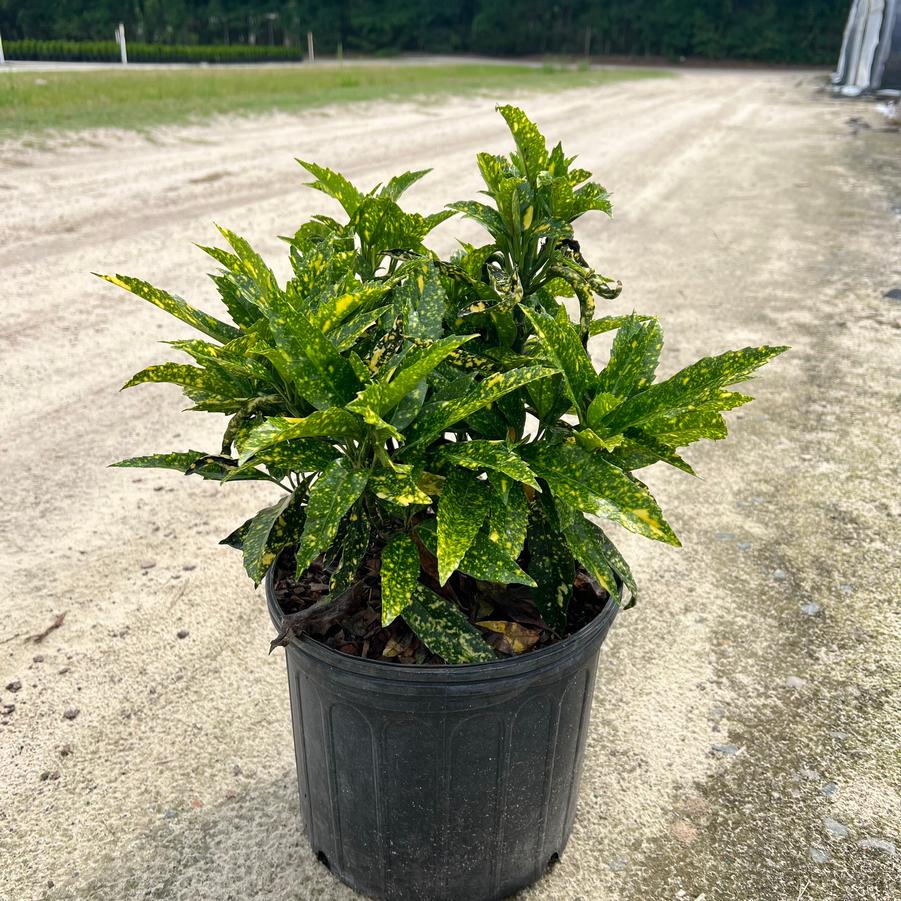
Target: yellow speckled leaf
x=444 y=629
x=399 y=575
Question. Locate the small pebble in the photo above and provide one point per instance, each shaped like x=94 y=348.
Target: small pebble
x=878 y=844
x=148 y=564
x=619 y=864
x=237 y=771
x=71 y=713
x=14 y=686
x=717 y=712
x=780 y=575
x=835 y=828
x=189 y=566
x=743 y=545
x=65 y=750
x=829 y=789
x=51 y=775
x=170 y=814
x=795 y=682
x=38 y=658
x=847 y=589
x=811 y=608
x=818 y=855
x=7 y=709
x=726 y=750
x=182 y=633
x=838 y=735
x=724 y=536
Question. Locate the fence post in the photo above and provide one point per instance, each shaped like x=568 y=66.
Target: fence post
x=310 y=55
x=120 y=40
x=2 y=57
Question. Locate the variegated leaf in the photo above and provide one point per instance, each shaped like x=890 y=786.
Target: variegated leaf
x=383 y=395
x=508 y=517
x=609 y=323
x=353 y=550
x=552 y=567
x=443 y=628
x=398 y=487
x=191 y=378
x=586 y=482
x=484 y=559
x=299 y=455
x=333 y=423
x=560 y=341
x=203 y=322
x=479 y=454
x=529 y=141
x=400 y=183
x=258 y=556
x=584 y=542
x=399 y=576
x=633 y=358
x=440 y=416
x=177 y=460
x=421 y=300
x=689 y=388
x=335 y=185
x=331 y=496
x=461 y=511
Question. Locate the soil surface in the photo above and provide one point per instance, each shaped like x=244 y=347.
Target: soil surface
x=745 y=734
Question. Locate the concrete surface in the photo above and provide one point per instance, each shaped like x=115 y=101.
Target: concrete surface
x=744 y=743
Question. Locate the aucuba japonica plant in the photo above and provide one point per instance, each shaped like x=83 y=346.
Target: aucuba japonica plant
x=446 y=412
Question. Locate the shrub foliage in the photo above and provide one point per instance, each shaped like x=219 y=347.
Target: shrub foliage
x=447 y=410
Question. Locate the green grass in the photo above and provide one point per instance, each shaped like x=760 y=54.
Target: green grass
x=34 y=102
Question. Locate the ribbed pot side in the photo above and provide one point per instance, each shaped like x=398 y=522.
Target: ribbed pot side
x=440 y=783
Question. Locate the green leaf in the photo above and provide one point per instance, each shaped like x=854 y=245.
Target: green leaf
x=192 y=378
x=177 y=460
x=586 y=482
x=399 y=487
x=421 y=302
x=383 y=395
x=331 y=496
x=560 y=341
x=599 y=407
x=508 y=517
x=584 y=542
x=552 y=567
x=484 y=559
x=440 y=416
x=690 y=387
x=332 y=423
x=257 y=555
x=304 y=342
x=497 y=455
x=461 y=511
x=639 y=449
x=399 y=575
x=443 y=628
x=529 y=141
x=400 y=183
x=335 y=185
x=353 y=550
x=633 y=358
x=486 y=216
x=299 y=455
x=203 y=322
x=609 y=323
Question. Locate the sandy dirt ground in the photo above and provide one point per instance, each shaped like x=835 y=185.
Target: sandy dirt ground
x=745 y=736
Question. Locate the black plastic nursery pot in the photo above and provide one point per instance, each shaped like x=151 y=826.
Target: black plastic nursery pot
x=440 y=783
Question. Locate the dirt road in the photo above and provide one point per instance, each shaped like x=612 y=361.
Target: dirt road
x=744 y=743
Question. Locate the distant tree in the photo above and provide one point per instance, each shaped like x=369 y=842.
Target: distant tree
x=801 y=31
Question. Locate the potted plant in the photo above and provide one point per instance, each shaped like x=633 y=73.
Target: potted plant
x=443 y=441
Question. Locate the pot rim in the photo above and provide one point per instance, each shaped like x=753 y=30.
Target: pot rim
x=442 y=672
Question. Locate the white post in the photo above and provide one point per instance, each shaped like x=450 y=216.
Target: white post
x=120 y=40
x=311 y=57
x=2 y=57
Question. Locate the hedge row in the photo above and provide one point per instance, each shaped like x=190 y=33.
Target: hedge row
x=108 y=51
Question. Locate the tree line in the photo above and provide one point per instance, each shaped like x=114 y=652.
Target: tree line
x=799 y=31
